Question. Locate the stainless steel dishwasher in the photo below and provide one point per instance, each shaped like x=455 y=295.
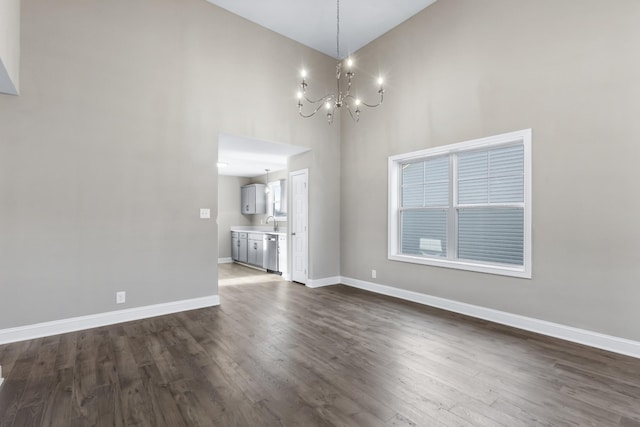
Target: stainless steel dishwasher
x=271 y=252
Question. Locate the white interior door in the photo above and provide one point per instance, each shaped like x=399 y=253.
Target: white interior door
x=299 y=221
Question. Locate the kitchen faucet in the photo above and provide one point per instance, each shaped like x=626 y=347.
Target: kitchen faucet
x=275 y=222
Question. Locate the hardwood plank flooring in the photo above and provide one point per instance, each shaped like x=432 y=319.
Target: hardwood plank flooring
x=280 y=354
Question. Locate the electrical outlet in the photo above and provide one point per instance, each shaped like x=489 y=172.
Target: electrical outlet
x=205 y=213
x=373 y=274
x=121 y=297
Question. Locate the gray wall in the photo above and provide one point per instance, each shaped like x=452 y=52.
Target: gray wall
x=110 y=150
x=229 y=211
x=9 y=46
x=464 y=69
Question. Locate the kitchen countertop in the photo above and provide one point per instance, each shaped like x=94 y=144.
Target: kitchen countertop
x=259 y=229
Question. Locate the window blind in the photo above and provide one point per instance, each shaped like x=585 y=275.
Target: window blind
x=491 y=234
x=488 y=232
x=424 y=232
x=425 y=191
x=491 y=176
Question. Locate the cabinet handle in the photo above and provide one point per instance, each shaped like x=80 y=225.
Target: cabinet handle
x=293 y=234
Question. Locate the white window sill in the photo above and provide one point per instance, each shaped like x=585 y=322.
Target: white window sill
x=516 y=271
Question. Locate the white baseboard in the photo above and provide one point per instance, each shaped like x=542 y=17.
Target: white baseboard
x=567 y=333
x=56 y=327
x=225 y=260
x=327 y=281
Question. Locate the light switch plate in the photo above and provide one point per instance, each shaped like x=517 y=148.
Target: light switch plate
x=205 y=213
x=121 y=297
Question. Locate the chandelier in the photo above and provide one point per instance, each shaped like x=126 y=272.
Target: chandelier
x=332 y=101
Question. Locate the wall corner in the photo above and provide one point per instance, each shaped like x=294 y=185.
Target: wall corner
x=10 y=47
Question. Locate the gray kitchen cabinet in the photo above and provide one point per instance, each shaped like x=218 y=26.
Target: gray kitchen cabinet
x=253 y=199
x=235 y=246
x=239 y=246
x=255 y=251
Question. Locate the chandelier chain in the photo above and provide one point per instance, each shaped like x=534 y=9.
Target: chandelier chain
x=338 y=30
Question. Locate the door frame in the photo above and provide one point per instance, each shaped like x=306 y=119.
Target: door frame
x=292 y=259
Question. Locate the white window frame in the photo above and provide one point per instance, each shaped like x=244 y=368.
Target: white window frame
x=394 y=253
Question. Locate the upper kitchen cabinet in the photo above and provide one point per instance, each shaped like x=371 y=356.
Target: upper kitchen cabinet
x=253 y=199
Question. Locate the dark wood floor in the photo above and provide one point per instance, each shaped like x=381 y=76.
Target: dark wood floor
x=276 y=353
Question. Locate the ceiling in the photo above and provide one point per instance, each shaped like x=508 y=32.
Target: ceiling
x=250 y=157
x=313 y=22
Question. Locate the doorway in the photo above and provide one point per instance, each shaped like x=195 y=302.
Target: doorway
x=244 y=162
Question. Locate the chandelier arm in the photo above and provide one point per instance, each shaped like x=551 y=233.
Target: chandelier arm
x=355 y=118
x=349 y=96
x=306 y=116
x=372 y=105
x=375 y=105
x=323 y=99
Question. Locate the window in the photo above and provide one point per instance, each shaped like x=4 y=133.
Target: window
x=464 y=206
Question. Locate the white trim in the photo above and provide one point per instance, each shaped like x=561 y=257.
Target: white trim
x=327 y=281
x=474 y=144
x=501 y=270
x=225 y=260
x=523 y=137
x=567 y=333
x=1 y=379
x=56 y=327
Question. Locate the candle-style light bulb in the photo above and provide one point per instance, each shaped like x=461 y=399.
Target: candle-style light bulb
x=349 y=62
x=303 y=73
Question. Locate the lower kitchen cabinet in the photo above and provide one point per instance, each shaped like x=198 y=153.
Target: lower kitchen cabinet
x=255 y=249
x=239 y=246
x=263 y=250
x=235 y=245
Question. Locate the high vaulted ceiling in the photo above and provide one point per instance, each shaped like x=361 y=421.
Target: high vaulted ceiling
x=250 y=157
x=313 y=22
